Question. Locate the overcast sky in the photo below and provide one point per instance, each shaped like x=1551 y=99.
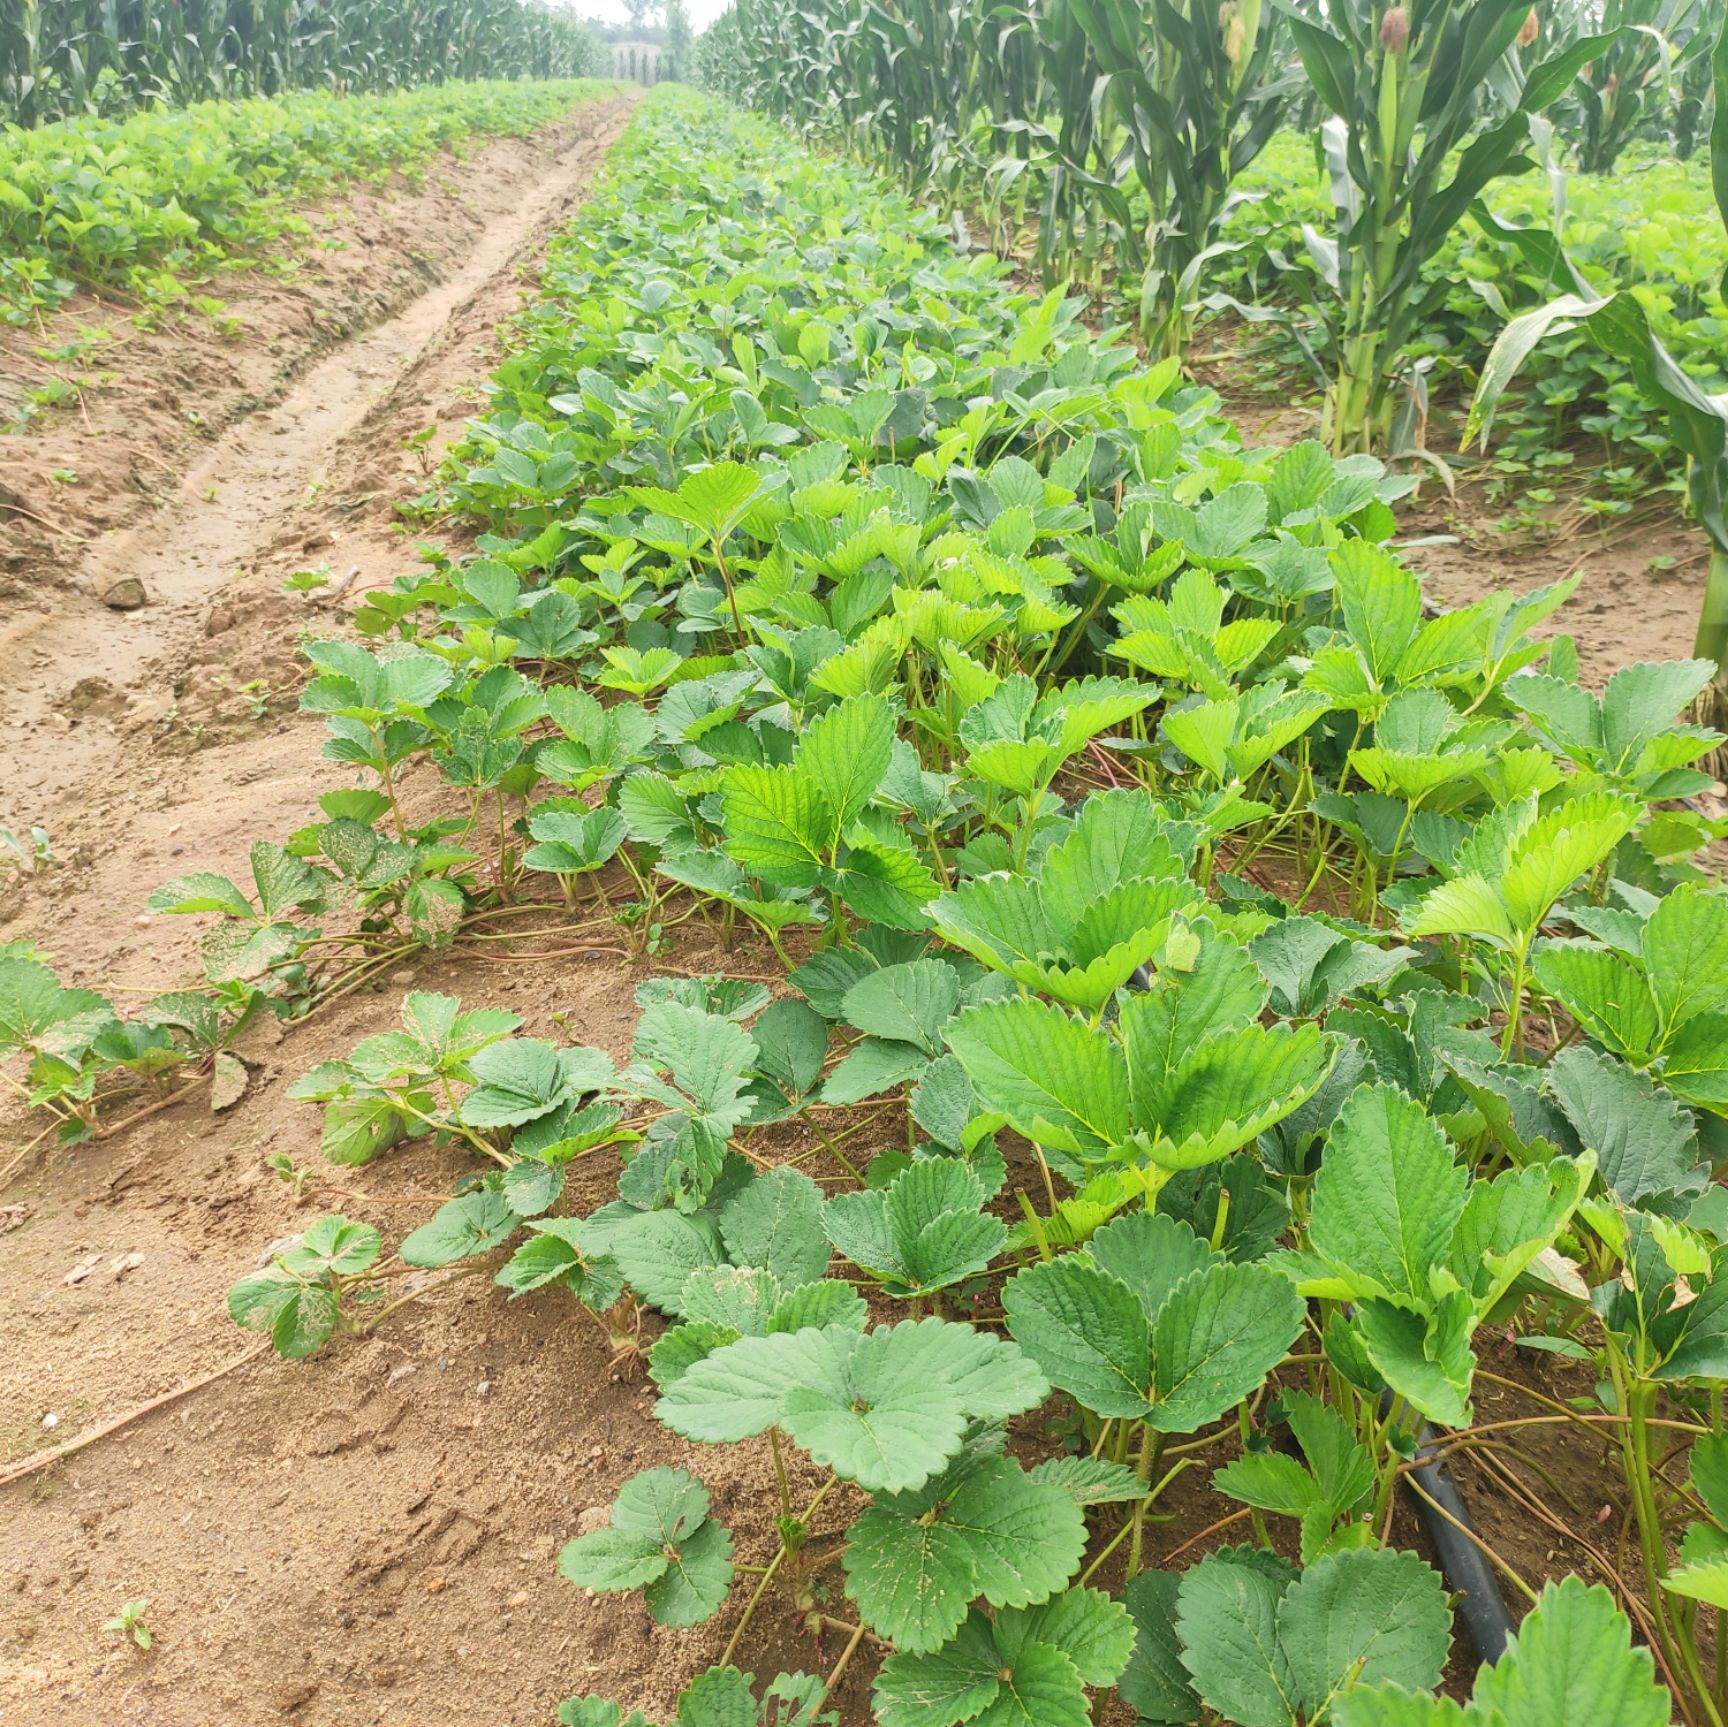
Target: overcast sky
x=702 y=12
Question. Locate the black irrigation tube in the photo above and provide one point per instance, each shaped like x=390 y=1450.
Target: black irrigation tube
x=1462 y=1563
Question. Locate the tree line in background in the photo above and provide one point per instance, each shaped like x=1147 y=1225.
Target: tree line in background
x=65 y=57
x=663 y=24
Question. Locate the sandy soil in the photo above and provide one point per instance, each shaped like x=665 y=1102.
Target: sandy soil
x=1640 y=580
x=151 y=397
x=367 y=1537
x=435 y=269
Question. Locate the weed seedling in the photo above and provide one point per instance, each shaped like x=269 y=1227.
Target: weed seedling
x=130 y=1621
x=25 y=855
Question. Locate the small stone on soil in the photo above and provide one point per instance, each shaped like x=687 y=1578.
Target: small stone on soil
x=126 y=594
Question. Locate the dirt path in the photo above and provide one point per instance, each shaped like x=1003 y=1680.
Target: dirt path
x=242 y=502
x=368 y=1537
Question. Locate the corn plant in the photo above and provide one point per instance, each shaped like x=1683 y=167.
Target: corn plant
x=1407 y=156
x=61 y=57
x=1694 y=102
x=1197 y=99
x=1697 y=419
x=1632 y=81
x=21 y=67
x=1054 y=132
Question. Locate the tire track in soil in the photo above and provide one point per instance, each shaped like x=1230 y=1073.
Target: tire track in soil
x=247 y=496
x=365 y=1538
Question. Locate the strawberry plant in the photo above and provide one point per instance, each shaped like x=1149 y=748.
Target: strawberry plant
x=1572 y=1654
x=81 y=1058
x=660 y=1539
x=1212 y=990
x=310 y=1289
x=139 y=202
x=720 y=1697
x=923 y=1231
x=1246 y=1635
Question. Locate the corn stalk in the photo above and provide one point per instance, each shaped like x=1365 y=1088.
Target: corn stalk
x=1058 y=143
x=21 y=57
x=1197 y=97
x=952 y=97
x=1616 y=92
x=1407 y=155
x=1697 y=420
x=64 y=57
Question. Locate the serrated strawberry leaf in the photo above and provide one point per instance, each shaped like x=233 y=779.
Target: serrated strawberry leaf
x=1389 y=1195
x=1572 y=1659
x=1057 y=1080
x=1215 y=1339
x=1227 y=1627
x=886 y=1408
x=1363 y=1616
x=660 y=1540
x=776 y=1223
x=522 y=1078
x=461 y=1228
x=914 y=1568
x=924 y=1231
x=1028 y=1668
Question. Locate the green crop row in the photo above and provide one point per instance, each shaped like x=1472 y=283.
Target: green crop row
x=1120 y=137
x=60 y=58
x=1213 y=991
x=140 y=203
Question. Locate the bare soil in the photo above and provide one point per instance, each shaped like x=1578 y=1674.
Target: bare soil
x=421 y=273
x=153 y=389
x=1640 y=578
x=369 y=1536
